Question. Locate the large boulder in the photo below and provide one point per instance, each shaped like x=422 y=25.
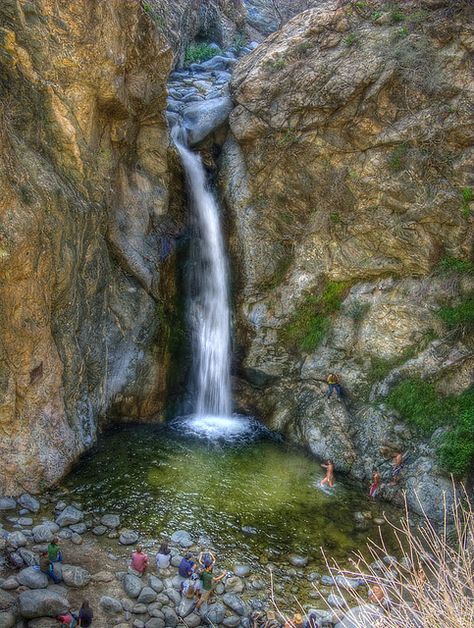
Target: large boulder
x=76 y=577
x=132 y=585
x=41 y=603
x=202 y=118
x=110 y=521
x=32 y=578
x=17 y=539
x=7 y=619
x=7 y=503
x=42 y=534
x=363 y=616
x=70 y=515
x=29 y=502
x=182 y=538
x=110 y=605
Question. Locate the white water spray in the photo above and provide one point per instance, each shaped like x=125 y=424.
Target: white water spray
x=209 y=301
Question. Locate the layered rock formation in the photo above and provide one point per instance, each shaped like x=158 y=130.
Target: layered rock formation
x=347 y=176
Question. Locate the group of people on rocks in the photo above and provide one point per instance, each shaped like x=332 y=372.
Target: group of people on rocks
x=198 y=582
x=334 y=385
x=47 y=560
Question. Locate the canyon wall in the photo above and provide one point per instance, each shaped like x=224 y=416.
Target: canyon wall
x=87 y=175
x=348 y=178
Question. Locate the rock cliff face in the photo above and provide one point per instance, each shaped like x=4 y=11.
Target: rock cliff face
x=85 y=174
x=91 y=201
x=347 y=174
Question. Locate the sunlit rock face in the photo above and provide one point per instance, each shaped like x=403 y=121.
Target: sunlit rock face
x=349 y=153
x=85 y=178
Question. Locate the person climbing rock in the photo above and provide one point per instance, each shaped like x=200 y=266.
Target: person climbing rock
x=333 y=385
x=139 y=561
x=208 y=584
x=163 y=557
x=54 y=553
x=375 y=485
x=329 y=477
x=47 y=568
x=397 y=463
x=186 y=566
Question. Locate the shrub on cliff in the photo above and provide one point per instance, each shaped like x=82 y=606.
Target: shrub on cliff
x=311 y=319
x=422 y=406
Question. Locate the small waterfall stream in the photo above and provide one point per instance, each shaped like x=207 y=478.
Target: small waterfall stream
x=208 y=301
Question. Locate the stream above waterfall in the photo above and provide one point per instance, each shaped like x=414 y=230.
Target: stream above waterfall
x=255 y=497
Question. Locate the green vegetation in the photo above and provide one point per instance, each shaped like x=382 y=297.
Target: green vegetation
x=459 y=317
x=396 y=14
x=197 y=53
x=351 y=39
x=311 y=321
x=275 y=64
x=290 y=137
x=357 y=310
x=152 y=11
x=240 y=41
x=302 y=48
x=424 y=408
x=447 y=265
x=397 y=158
x=467 y=198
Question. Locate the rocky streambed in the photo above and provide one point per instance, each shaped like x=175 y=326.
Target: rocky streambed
x=96 y=552
x=255 y=504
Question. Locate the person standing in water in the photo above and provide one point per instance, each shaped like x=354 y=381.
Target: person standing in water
x=397 y=468
x=329 y=477
x=375 y=485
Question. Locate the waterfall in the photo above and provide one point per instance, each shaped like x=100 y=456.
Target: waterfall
x=208 y=298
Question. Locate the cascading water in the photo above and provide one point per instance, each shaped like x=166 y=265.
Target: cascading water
x=209 y=301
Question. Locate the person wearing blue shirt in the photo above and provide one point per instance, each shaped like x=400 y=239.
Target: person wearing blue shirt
x=186 y=566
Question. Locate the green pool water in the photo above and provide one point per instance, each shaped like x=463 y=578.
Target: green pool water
x=257 y=500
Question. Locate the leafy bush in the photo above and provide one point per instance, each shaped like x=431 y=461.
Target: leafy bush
x=460 y=316
x=311 y=321
x=397 y=158
x=197 y=53
x=467 y=198
x=448 y=265
x=275 y=64
x=422 y=406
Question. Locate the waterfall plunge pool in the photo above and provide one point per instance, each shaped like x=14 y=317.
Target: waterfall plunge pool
x=254 y=496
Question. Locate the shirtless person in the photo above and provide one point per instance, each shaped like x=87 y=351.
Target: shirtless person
x=329 y=477
x=397 y=468
x=375 y=485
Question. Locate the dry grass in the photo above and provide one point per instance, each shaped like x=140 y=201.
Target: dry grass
x=432 y=582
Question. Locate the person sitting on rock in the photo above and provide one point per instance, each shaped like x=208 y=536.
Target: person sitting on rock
x=163 y=557
x=329 y=477
x=375 y=486
x=139 y=561
x=377 y=596
x=333 y=385
x=206 y=559
x=186 y=566
x=86 y=615
x=191 y=587
x=296 y=622
x=46 y=567
x=208 y=585
x=54 y=553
